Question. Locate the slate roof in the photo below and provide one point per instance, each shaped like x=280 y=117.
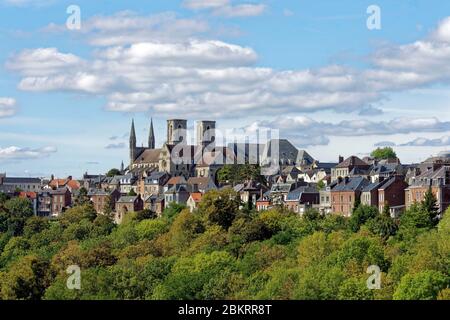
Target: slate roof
x=202 y=182
x=353 y=184
x=13 y=180
x=127 y=199
x=281 y=187
x=176 y=189
x=296 y=194
x=287 y=151
x=374 y=186
x=352 y=161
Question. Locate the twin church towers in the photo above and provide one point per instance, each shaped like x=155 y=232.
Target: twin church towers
x=176 y=133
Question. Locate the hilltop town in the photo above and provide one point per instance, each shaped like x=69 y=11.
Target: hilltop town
x=154 y=178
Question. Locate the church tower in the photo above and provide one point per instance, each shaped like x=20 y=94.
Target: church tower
x=132 y=144
x=206 y=133
x=176 y=131
x=151 y=136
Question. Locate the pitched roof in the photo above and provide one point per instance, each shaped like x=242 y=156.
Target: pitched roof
x=176 y=189
x=127 y=199
x=373 y=186
x=14 y=180
x=352 y=184
x=352 y=161
x=29 y=195
x=148 y=156
x=73 y=184
x=295 y=195
x=176 y=180
x=202 y=182
x=196 y=196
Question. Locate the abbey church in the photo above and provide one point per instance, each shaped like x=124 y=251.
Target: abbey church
x=176 y=156
x=203 y=158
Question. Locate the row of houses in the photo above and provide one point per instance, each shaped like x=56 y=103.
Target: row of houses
x=49 y=197
x=329 y=188
x=366 y=181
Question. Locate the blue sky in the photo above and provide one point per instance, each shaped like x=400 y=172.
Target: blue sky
x=309 y=68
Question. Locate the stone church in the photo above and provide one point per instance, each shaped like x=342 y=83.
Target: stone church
x=175 y=157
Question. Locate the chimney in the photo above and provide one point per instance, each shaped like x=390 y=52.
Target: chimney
x=346 y=179
x=52 y=177
x=341 y=159
x=69 y=178
x=339 y=179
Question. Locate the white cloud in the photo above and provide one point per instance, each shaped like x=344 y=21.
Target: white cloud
x=226 y=8
x=197 y=76
x=424 y=142
x=205 y=4
x=241 y=10
x=8 y=107
x=128 y=27
x=305 y=131
x=17 y=153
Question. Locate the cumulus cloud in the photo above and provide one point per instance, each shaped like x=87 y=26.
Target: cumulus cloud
x=17 y=153
x=128 y=27
x=191 y=76
x=305 y=131
x=8 y=107
x=226 y=8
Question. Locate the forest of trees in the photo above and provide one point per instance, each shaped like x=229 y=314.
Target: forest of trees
x=223 y=252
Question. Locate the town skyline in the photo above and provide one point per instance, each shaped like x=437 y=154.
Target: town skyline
x=327 y=82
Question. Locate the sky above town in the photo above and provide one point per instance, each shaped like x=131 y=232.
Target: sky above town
x=312 y=69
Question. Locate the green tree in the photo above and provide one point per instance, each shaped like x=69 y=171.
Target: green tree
x=321 y=185
x=424 y=285
x=113 y=172
x=82 y=197
x=382 y=225
x=25 y=280
x=383 y=153
x=220 y=207
x=132 y=193
x=429 y=204
x=361 y=215
x=108 y=208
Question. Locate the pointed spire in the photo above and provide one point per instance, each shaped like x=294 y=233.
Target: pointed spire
x=132 y=144
x=151 y=136
x=133 y=133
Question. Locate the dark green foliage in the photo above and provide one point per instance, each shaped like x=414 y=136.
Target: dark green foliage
x=429 y=204
x=113 y=172
x=361 y=215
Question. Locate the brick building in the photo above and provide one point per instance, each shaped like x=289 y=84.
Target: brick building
x=346 y=193
x=438 y=180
